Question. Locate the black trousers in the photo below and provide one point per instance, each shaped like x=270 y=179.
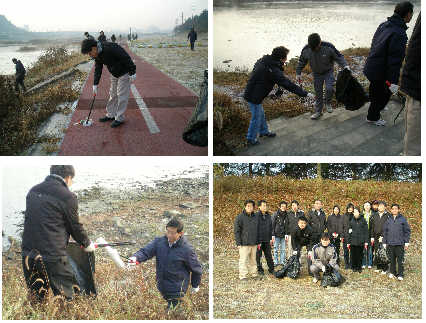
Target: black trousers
x=356 y=257
x=336 y=244
x=192 y=45
x=379 y=96
x=265 y=248
x=19 y=81
x=396 y=254
x=346 y=255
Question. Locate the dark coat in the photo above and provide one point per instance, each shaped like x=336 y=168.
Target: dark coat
x=116 y=59
x=349 y=91
x=280 y=224
x=347 y=217
x=20 y=69
x=51 y=217
x=266 y=73
x=387 y=51
x=293 y=218
x=410 y=80
x=377 y=223
x=102 y=38
x=359 y=234
x=335 y=224
x=192 y=36
x=300 y=238
x=245 y=229
x=396 y=232
x=317 y=223
x=173 y=265
x=264 y=231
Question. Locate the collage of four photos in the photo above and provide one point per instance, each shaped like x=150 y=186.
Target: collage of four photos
x=211 y=159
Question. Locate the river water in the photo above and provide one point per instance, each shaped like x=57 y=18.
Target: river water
x=17 y=180
x=244 y=34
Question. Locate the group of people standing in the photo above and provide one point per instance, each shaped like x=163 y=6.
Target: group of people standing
x=360 y=231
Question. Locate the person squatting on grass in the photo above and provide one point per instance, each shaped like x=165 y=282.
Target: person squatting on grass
x=323 y=254
x=321 y=57
x=267 y=72
x=279 y=233
x=357 y=239
x=396 y=239
x=376 y=231
x=176 y=263
x=300 y=237
x=264 y=238
x=334 y=226
x=245 y=232
x=123 y=73
x=384 y=61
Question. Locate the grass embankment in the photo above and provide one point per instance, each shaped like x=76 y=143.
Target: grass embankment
x=365 y=295
x=232 y=116
x=22 y=115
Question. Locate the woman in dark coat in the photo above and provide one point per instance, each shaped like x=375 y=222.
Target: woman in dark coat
x=358 y=239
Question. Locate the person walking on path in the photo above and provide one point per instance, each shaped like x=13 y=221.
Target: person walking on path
x=19 y=75
x=321 y=57
x=384 y=61
x=192 y=36
x=123 y=73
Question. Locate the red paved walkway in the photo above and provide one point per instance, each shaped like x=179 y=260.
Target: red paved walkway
x=169 y=104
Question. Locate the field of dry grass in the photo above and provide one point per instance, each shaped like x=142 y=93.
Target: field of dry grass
x=365 y=295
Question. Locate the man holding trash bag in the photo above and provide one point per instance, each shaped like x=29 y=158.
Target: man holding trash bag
x=51 y=217
x=323 y=254
x=175 y=261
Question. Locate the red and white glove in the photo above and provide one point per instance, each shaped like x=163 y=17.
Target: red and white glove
x=91 y=247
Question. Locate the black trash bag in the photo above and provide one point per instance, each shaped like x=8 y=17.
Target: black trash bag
x=293 y=270
x=283 y=271
x=196 y=131
x=331 y=277
x=381 y=255
x=349 y=91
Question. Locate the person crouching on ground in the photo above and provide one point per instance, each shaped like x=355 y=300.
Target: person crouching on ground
x=302 y=236
x=176 y=263
x=323 y=254
x=245 y=232
x=264 y=238
x=358 y=239
x=123 y=72
x=396 y=239
x=267 y=72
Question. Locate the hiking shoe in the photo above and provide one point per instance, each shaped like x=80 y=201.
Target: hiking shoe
x=363 y=267
x=269 y=134
x=329 y=108
x=379 y=122
x=383 y=272
x=391 y=276
x=316 y=115
x=116 y=123
x=105 y=119
x=400 y=278
x=315 y=280
x=252 y=143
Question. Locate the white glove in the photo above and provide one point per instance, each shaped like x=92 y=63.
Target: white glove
x=294 y=253
x=90 y=248
x=95 y=89
x=132 y=262
x=195 y=290
x=133 y=77
x=384 y=246
x=406 y=245
x=347 y=68
x=323 y=269
x=311 y=96
x=298 y=78
x=372 y=240
x=286 y=237
x=350 y=230
x=393 y=88
x=380 y=239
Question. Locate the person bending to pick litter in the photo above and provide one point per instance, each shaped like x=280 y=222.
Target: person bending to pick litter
x=123 y=72
x=175 y=261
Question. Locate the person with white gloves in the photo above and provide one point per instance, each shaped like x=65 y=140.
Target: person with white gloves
x=176 y=263
x=396 y=239
x=323 y=254
x=123 y=73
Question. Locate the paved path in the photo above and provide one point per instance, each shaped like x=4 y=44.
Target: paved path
x=158 y=111
x=341 y=133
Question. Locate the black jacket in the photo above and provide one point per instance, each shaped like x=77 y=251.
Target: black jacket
x=20 y=69
x=116 y=59
x=51 y=216
x=387 y=51
x=317 y=223
x=280 y=224
x=300 y=238
x=264 y=231
x=266 y=73
x=377 y=223
x=349 y=91
x=192 y=36
x=359 y=234
x=293 y=218
x=173 y=265
x=102 y=38
x=347 y=217
x=245 y=229
x=335 y=224
x=410 y=81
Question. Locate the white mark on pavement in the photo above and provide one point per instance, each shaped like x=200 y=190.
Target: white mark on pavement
x=150 y=122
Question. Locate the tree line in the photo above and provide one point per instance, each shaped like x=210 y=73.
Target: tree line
x=200 y=23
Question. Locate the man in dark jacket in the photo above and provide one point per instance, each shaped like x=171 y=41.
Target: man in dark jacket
x=396 y=238
x=123 y=72
x=20 y=75
x=51 y=217
x=175 y=261
x=279 y=233
x=245 y=232
x=321 y=57
x=300 y=237
x=377 y=223
x=334 y=226
x=385 y=59
x=88 y=36
x=267 y=72
x=347 y=217
x=192 y=36
x=410 y=84
x=293 y=218
x=264 y=237
x=102 y=36
x=316 y=220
